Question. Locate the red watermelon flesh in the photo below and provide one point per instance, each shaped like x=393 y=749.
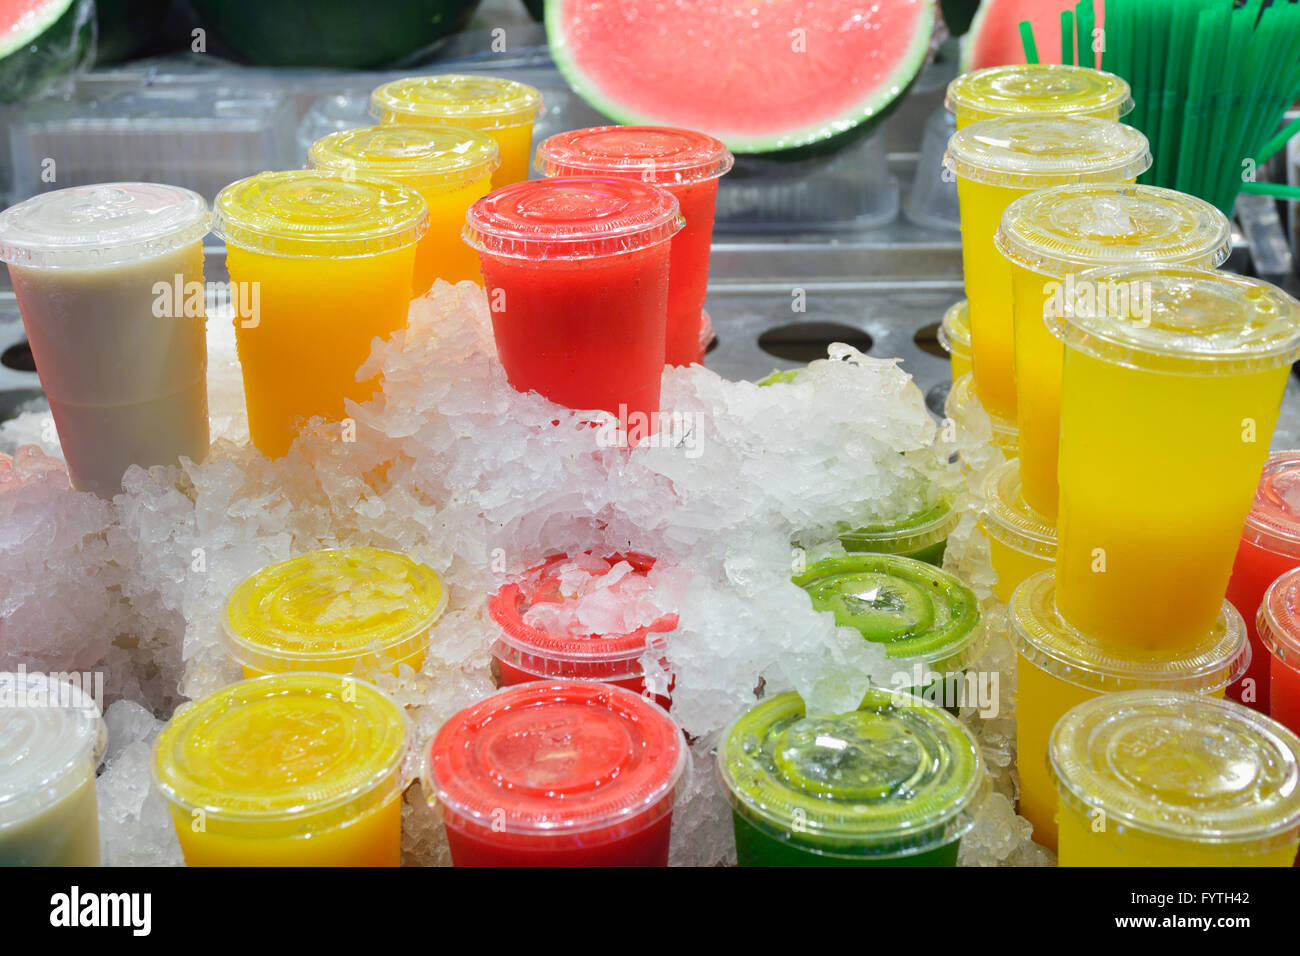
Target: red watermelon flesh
x=994 y=35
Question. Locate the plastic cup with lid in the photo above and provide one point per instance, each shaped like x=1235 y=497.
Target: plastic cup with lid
x=1037 y=89
x=975 y=423
x=1021 y=541
x=1278 y=623
x=954 y=336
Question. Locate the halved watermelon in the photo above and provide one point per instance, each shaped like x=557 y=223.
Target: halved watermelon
x=761 y=75
x=40 y=40
x=994 y=35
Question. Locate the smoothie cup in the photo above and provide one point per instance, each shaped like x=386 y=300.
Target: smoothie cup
x=963 y=407
x=922 y=535
x=577 y=274
x=504 y=109
x=928 y=621
x=1021 y=543
x=1050 y=235
x=1058 y=666
x=1166 y=778
x=895 y=783
x=557 y=646
x=1278 y=623
x=1037 y=89
x=330 y=258
x=557 y=773
x=954 y=336
x=685 y=163
x=295 y=769
x=1269 y=547
x=996 y=161
x=1171 y=389
x=451 y=167
x=337 y=611
x=51 y=740
x=109 y=281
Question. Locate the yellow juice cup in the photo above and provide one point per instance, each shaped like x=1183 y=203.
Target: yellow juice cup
x=450 y=166
x=996 y=161
x=295 y=769
x=1058 y=666
x=1173 y=378
x=1021 y=543
x=1167 y=778
x=1037 y=89
x=504 y=109
x=954 y=336
x=339 y=611
x=328 y=259
x=1050 y=235
x=968 y=415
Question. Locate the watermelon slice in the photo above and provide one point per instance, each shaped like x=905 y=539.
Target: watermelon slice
x=41 y=40
x=761 y=75
x=994 y=35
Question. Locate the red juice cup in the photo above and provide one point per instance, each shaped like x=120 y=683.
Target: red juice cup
x=557 y=773
x=526 y=652
x=576 y=272
x=687 y=164
x=1270 y=546
x=1278 y=626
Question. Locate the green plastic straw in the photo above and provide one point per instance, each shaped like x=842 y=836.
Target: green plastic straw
x=1087 y=19
x=1067 y=39
x=1278 y=190
x=1027 y=41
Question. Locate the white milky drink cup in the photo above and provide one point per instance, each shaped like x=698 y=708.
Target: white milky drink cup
x=109 y=280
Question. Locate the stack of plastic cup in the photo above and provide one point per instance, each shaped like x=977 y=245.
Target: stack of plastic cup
x=1278 y=624
x=1270 y=546
x=1037 y=89
x=504 y=109
x=577 y=276
x=109 y=281
x=687 y=164
x=996 y=161
x=450 y=166
x=954 y=336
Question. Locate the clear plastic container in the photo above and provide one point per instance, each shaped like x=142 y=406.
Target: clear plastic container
x=1021 y=541
x=932 y=200
x=1037 y=89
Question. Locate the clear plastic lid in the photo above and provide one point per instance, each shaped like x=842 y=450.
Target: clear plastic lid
x=917 y=611
x=572 y=219
x=962 y=405
x=1278 y=621
x=1274 y=519
x=905 y=535
x=51 y=739
x=479 y=102
x=88 y=226
x=422 y=157
x=896 y=777
x=1049 y=642
x=1067 y=228
x=330 y=607
x=653 y=154
x=1008 y=519
x=1032 y=152
x=954 y=330
x=1038 y=89
x=1181 y=766
x=317 y=212
x=1180 y=320
x=554 y=758
x=284 y=755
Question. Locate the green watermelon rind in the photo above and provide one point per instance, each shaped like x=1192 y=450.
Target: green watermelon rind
x=56 y=42
x=820 y=134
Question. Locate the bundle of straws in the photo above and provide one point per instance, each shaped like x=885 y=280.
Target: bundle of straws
x=1211 y=80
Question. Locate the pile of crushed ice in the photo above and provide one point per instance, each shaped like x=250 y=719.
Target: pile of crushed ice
x=450 y=465
x=591 y=597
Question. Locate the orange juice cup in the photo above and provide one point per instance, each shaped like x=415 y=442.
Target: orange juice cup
x=449 y=166
x=1037 y=89
x=1021 y=543
x=968 y=416
x=954 y=336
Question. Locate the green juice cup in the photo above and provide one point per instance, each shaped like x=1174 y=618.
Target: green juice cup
x=895 y=783
x=922 y=535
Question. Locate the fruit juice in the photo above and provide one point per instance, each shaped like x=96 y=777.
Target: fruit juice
x=504 y=109
x=332 y=257
x=996 y=161
x=557 y=773
x=1181 y=397
x=109 y=282
x=296 y=769
x=1269 y=547
x=922 y=535
x=954 y=336
x=450 y=166
x=967 y=414
x=1278 y=623
x=1050 y=235
x=687 y=164
x=337 y=611
x=1167 y=778
x=51 y=740
x=1038 y=89
x=895 y=783
x=577 y=273
x=1059 y=666
x=1021 y=543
